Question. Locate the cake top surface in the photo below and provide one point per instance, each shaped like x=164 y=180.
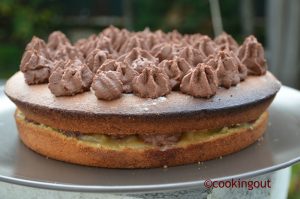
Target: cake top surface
x=249 y=92
x=146 y=64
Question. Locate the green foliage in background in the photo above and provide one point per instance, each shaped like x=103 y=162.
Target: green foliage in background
x=19 y=21
x=22 y=19
x=294 y=191
x=187 y=16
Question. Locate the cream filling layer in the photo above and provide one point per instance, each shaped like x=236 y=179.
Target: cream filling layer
x=134 y=142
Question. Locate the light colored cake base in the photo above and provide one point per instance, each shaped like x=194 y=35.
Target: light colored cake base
x=192 y=148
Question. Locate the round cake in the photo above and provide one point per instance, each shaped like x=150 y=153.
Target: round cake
x=145 y=99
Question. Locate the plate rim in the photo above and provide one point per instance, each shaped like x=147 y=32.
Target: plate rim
x=140 y=188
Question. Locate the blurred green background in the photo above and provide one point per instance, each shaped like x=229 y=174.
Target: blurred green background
x=21 y=19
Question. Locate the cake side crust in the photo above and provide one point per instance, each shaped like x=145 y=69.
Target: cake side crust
x=54 y=145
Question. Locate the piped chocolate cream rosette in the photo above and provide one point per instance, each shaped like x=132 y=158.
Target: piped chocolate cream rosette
x=69 y=78
x=122 y=99
x=35 y=67
x=251 y=53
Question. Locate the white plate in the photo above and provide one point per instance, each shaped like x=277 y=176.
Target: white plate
x=279 y=148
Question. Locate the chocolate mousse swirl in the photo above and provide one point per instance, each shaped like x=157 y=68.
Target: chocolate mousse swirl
x=118 y=37
x=86 y=45
x=69 y=78
x=192 y=55
x=107 y=85
x=166 y=51
x=225 y=42
x=192 y=39
x=96 y=58
x=66 y=52
x=104 y=43
x=36 y=67
x=151 y=83
x=251 y=53
x=99 y=42
x=163 y=52
x=175 y=69
x=112 y=32
x=60 y=48
x=149 y=38
x=200 y=81
x=174 y=36
x=205 y=45
x=243 y=71
x=226 y=67
x=132 y=42
x=57 y=39
x=109 y=65
x=138 y=59
x=37 y=44
x=127 y=74
x=161 y=35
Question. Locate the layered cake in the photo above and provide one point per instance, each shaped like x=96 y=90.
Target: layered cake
x=124 y=99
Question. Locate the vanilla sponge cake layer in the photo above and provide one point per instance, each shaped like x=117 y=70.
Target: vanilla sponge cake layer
x=130 y=152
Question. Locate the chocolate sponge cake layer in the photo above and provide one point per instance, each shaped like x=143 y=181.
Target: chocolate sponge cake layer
x=133 y=115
